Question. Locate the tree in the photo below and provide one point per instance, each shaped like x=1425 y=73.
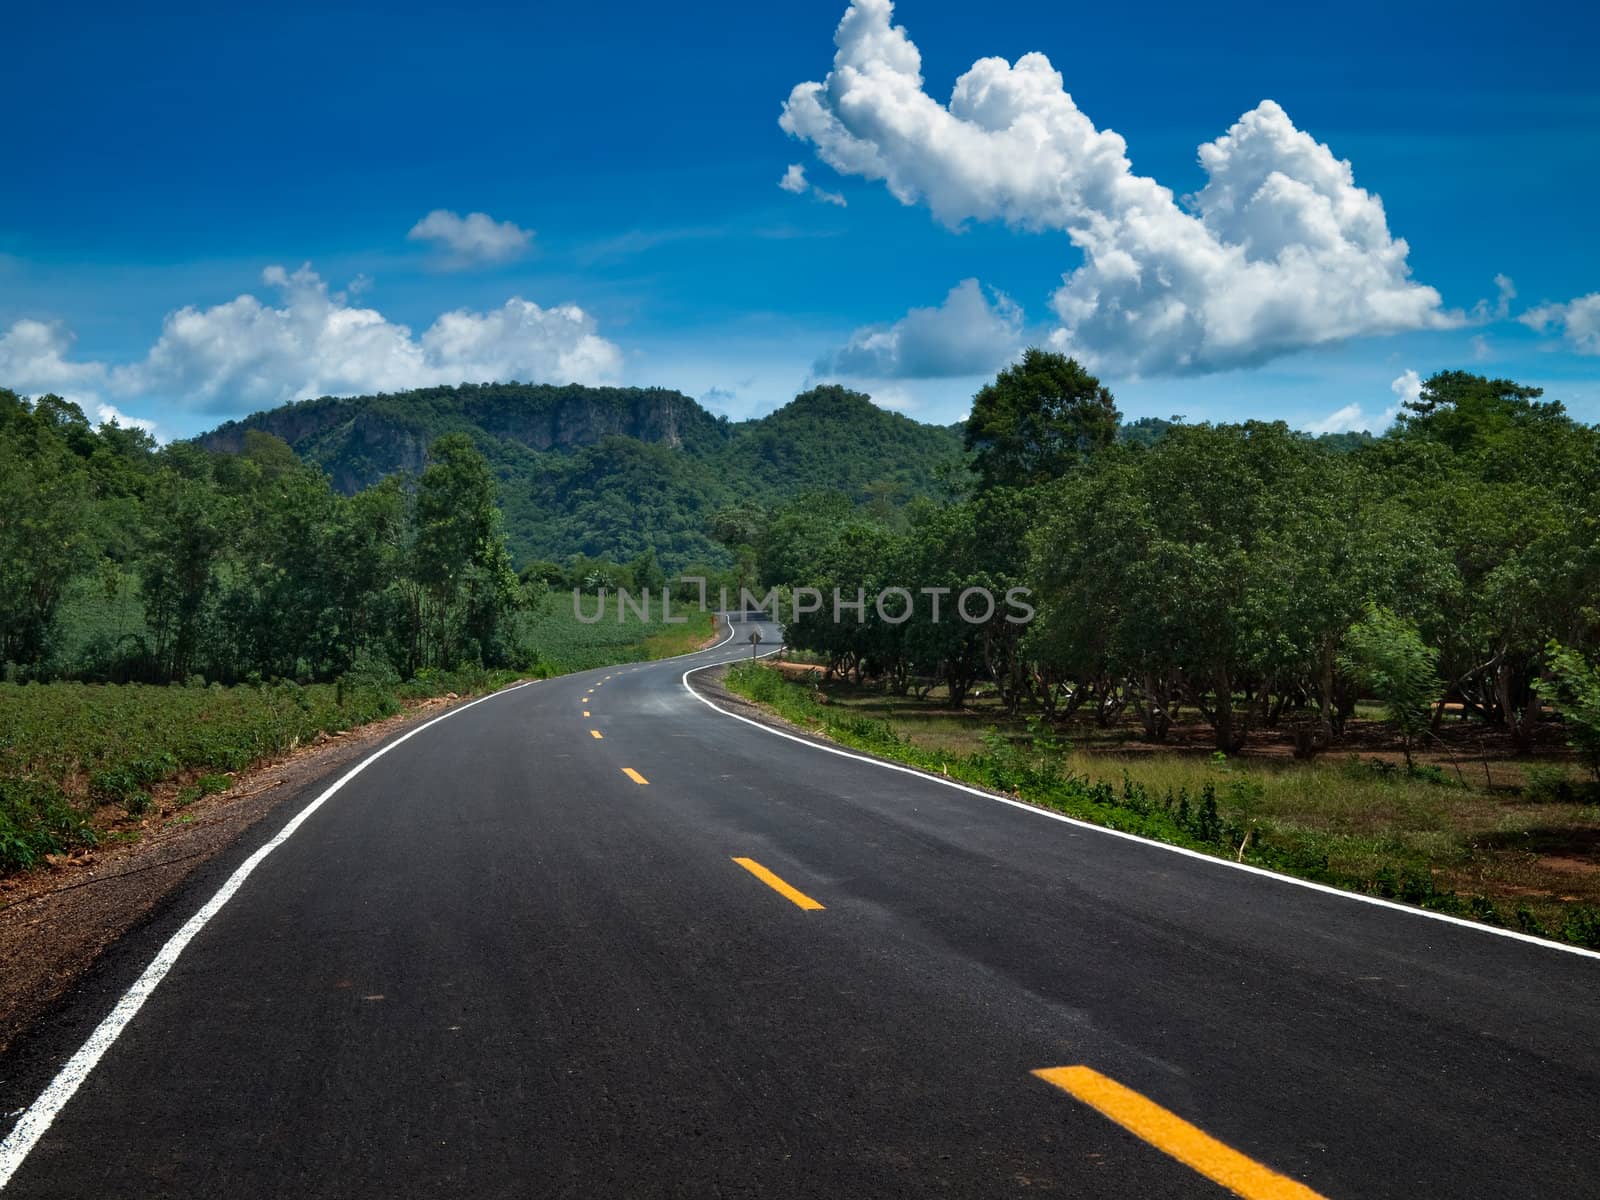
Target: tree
x=459 y=562
x=189 y=528
x=1574 y=685
x=1389 y=656
x=45 y=528
x=1039 y=419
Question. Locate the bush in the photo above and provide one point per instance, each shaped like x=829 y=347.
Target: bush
x=1555 y=785
x=35 y=820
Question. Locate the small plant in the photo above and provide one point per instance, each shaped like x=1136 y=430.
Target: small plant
x=1548 y=784
x=1388 y=655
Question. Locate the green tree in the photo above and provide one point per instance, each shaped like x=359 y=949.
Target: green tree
x=1039 y=419
x=1389 y=656
x=45 y=520
x=466 y=588
x=1574 y=685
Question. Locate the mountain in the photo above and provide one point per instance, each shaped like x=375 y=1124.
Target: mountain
x=612 y=472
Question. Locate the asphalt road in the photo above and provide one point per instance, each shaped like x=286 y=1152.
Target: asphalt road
x=496 y=964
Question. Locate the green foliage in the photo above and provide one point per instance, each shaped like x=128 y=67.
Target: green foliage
x=1231 y=569
x=1574 y=685
x=614 y=473
x=1039 y=419
x=65 y=747
x=1387 y=654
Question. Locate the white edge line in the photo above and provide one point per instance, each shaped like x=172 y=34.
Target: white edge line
x=1311 y=884
x=33 y=1124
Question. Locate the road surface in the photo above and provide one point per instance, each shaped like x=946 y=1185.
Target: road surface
x=593 y=937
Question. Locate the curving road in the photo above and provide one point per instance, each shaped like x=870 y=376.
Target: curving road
x=692 y=957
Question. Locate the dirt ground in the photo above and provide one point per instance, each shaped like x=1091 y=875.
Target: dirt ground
x=57 y=920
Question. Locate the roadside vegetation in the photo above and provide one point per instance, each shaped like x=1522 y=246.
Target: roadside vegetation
x=1485 y=849
x=1391 y=645
x=170 y=616
x=83 y=762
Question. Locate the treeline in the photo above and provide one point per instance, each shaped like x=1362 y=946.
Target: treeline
x=1244 y=574
x=240 y=566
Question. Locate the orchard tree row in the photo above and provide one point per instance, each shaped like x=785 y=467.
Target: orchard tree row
x=1246 y=574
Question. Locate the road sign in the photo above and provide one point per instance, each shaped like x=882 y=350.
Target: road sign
x=755 y=640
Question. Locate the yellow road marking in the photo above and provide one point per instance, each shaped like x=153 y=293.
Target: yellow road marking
x=772 y=881
x=594 y=733
x=634 y=775
x=1174 y=1136
x=586 y=712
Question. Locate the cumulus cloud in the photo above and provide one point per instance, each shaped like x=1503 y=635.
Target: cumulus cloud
x=794 y=181
x=1578 y=321
x=1407 y=387
x=312 y=342
x=1279 y=251
x=108 y=414
x=966 y=335
x=33 y=360
x=1346 y=419
x=476 y=239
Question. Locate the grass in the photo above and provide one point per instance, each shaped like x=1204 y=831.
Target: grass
x=80 y=760
x=564 y=644
x=1521 y=860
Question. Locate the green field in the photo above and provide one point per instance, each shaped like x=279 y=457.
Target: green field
x=77 y=760
x=1511 y=858
x=565 y=644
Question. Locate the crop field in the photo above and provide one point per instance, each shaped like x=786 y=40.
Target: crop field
x=565 y=644
x=77 y=759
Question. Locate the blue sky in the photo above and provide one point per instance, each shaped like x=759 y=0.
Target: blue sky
x=162 y=160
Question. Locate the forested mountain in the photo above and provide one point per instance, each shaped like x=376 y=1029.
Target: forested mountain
x=613 y=472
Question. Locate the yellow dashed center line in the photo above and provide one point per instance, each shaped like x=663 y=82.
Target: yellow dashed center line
x=794 y=895
x=586 y=712
x=1174 y=1136
x=634 y=775
x=594 y=733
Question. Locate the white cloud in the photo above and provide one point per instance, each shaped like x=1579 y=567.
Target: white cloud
x=33 y=361
x=1508 y=293
x=794 y=181
x=1578 y=320
x=966 y=335
x=1505 y=293
x=107 y=414
x=1407 y=387
x=247 y=353
x=1346 y=419
x=476 y=239
x=1279 y=251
